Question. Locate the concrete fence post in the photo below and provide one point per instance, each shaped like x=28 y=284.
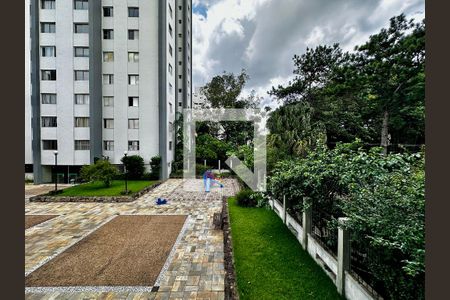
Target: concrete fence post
x=343 y=255
x=284 y=209
x=307 y=220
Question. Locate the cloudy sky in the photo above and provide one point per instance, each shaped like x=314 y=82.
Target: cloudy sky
x=262 y=36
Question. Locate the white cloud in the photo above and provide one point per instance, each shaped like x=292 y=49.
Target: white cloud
x=262 y=36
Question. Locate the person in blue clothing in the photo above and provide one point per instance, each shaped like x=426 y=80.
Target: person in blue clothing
x=209 y=180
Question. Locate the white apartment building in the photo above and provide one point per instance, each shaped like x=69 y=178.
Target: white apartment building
x=198 y=98
x=107 y=76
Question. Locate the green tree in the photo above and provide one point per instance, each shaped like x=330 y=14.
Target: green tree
x=155 y=165
x=134 y=165
x=101 y=170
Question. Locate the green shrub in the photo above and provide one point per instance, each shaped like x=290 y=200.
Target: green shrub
x=101 y=170
x=201 y=169
x=383 y=196
x=134 y=165
x=155 y=166
x=249 y=198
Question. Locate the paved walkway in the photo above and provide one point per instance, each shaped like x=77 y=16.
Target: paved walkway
x=196 y=270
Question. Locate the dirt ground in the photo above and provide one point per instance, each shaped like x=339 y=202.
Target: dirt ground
x=127 y=251
x=32 y=220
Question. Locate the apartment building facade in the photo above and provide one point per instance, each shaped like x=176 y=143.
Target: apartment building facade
x=104 y=80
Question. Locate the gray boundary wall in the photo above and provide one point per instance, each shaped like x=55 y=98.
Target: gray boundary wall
x=335 y=267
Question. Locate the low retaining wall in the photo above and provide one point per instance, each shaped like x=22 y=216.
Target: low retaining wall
x=105 y=199
x=350 y=287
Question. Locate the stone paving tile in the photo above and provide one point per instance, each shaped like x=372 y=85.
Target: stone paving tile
x=196 y=270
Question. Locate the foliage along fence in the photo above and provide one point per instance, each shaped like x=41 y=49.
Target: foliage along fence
x=383 y=197
x=334 y=265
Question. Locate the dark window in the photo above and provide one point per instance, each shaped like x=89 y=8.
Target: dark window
x=48 y=51
x=82 y=145
x=108 y=11
x=48 y=4
x=133 y=12
x=50 y=144
x=81 y=75
x=81 y=28
x=48 y=27
x=48 y=75
x=49 y=122
x=108 y=34
x=48 y=98
x=81 y=51
x=81 y=4
x=133 y=34
x=133 y=101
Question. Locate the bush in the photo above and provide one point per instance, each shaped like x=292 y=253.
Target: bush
x=249 y=198
x=155 y=165
x=101 y=170
x=383 y=196
x=134 y=165
x=200 y=169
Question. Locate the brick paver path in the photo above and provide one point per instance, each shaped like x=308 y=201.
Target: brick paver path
x=196 y=270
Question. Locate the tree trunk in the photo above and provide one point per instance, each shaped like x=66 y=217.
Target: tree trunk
x=384 y=132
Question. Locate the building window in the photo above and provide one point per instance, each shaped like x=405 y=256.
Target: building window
x=48 y=27
x=170 y=11
x=81 y=121
x=108 y=56
x=133 y=79
x=81 y=51
x=108 y=11
x=179 y=104
x=180 y=35
x=81 y=75
x=133 y=12
x=133 y=101
x=81 y=27
x=133 y=34
x=170 y=107
x=179 y=21
x=170 y=69
x=108 y=34
x=179 y=7
x=108 y=79
x=133 y=123
x=108 y=101
x=180 y=90
x=48 y=51
x=170 y=50
x=48 y=4
x=180 y=76
x=81 y=98
x=170 y=30
x=170 y=145
x=48 y=98
x=49 y=122
x=108 y=123
x=81 y=4
x=82 y=145
x=108 y=145
x=170 y=127
x=48 y=74
x=170 y=88
x=49 y=144
x=133 y=145
x=133 y=56
x=179 y=63
x=180 y=49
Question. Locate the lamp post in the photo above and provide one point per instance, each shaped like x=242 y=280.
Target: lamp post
x=56 y=170
x=125 y=171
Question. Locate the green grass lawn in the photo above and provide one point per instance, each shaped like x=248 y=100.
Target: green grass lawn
x=99 y=189
x=270 y=263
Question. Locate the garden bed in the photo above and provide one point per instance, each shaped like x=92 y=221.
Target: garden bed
x=127 y=251
x=96 y=192
x=33 y=220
